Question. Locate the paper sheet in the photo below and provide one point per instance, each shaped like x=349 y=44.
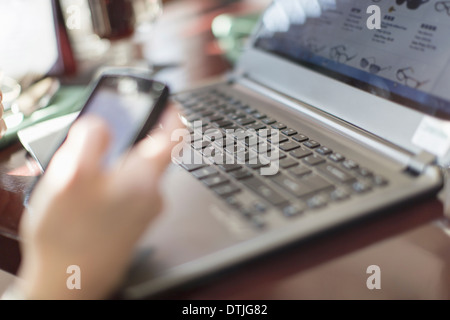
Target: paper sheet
x=28 y=41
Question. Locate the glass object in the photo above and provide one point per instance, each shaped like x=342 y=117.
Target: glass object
x=86 y=44
x=111 y=30
x=147 y=12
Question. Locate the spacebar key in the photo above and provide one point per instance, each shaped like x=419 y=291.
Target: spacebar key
x=264 y=191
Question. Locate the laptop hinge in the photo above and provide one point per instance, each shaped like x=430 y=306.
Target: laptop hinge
x=420 y=161
x=235 y=74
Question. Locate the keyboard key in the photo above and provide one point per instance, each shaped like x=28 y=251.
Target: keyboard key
x=324 y=151
x=256 y=126
x=213 y=134
x=238 y=115
x=224 y=142
x=289 y=184
x=350 y=164
x=302 y=187
x=315 y=183
x=263 y=147
x=289 y=132
x=311 y=144
x=193 y=118
x=379 y=181
x=300 y=153
x=205 y=172
x=257 y=221
x=192 y=167
x=361 y=187
x=263 y=190
x=269 y=121
x=288 y=163
x=317 y=201
x=274 y=155
x=363 y=172
x=279 y=126
x=226 y=190
x=259 y=116
x=211 y=151
x=313 y=160
x=216 y=157
x=220 y=106
x=239 y=134
x=195 y=137
x=289 y=146
x=339 y=194
x=240 y=174
x=213 y=118
x=299 y=171
x=204 y=129
x=222 y=123
x=335 y=173
x=277 y=139
x=199 y=145
x=235 y=149
x=241 y=105
x=264 y=133
x=251 y=141
x=293 y=210
x=233 y=202
x=206 y=113
x=227 y=110
x=259 y=206
x=257 y=165
x=229 y=167
x=198 y=108
x=249 y=110
x=245 y=121
x=232 y=100
x=246 y=156
x=230 y=129
x=336 y=157
x=300 y=138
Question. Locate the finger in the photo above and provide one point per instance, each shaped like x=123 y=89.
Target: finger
x=168 y=115
x=1 y=96
x=147 y=161
x=156 y=150
x=2 y=109
x=84 y=148
x=3 y=127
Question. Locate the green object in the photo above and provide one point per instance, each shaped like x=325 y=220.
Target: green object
x=232 y=32
x=67 y=100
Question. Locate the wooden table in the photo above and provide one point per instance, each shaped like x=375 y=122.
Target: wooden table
x=410 y=244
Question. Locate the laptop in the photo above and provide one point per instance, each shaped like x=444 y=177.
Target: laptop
x=324 y=122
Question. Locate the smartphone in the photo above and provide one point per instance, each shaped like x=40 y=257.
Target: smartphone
x=129 y=102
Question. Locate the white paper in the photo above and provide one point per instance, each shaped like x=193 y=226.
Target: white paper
x=28 y=41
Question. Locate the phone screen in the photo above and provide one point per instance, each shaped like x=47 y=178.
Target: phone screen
x=125 y=103
x=129 y=104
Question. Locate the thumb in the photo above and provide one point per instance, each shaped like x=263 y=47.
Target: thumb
x=84 y=148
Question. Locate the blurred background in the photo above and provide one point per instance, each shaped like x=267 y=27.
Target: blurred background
x=53 y=48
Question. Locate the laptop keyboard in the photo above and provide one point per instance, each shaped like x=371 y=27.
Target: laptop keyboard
x=233 y=141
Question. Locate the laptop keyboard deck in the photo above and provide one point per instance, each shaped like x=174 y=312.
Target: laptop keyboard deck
x=233 y=141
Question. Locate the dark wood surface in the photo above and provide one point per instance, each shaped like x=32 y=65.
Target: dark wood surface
x=410 y=243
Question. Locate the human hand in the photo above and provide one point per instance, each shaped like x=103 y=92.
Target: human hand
x=2 y=121
x=81 y=214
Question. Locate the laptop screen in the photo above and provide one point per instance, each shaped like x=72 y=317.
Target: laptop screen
x=396 y=49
